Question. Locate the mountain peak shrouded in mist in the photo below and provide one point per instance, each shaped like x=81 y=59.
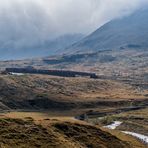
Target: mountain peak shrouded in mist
x=26 y=25
x=128 y=32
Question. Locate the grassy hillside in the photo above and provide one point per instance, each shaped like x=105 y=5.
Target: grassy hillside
x=29 y=132
x=46 y=92
x=57 y=101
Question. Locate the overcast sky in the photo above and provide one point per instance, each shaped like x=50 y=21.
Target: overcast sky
x=25 y=22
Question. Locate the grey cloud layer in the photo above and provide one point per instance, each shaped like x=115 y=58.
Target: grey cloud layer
x=25 y=23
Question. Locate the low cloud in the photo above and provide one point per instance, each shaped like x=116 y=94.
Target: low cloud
x=26 y=23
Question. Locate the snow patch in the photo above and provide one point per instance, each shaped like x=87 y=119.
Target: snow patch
x=139 y=136
x=17 y=74
x=114 y=125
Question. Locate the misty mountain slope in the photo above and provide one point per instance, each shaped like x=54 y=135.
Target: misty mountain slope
x=127 y=32
x=48 y=47
x=57 y=45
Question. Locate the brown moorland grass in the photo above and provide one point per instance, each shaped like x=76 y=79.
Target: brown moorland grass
x=21 y=129
x=20 y=133
x=65 y=88
x=47 y=92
